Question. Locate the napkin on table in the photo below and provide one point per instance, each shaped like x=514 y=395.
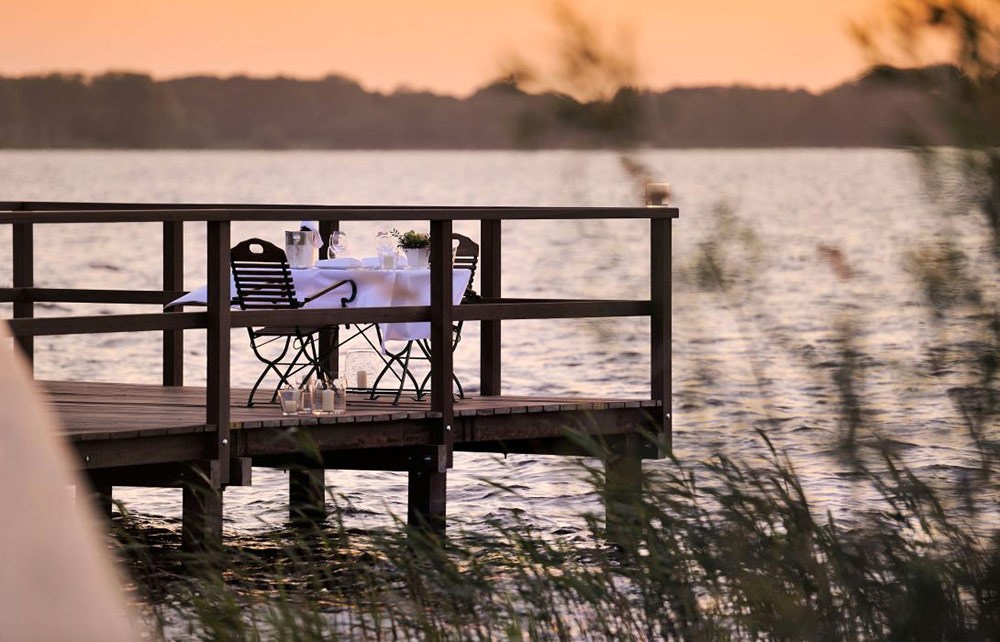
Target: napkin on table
x=313 y=226
x=372 y=261
x=343 y=263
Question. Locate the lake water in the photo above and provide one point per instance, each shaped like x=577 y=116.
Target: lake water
x=758 y=357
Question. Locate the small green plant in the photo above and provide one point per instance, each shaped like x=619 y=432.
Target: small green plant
x=411 y=239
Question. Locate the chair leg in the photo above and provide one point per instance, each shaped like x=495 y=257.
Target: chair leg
x=406 y=370
x=426 y=349
x=391 y=358
x=309 y=350
x=256 y=385
x=323 y=358
x=292 y=369
x=269 y=365
x=394 y=357
x=378 y=379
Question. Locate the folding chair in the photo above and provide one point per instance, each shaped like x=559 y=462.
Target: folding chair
x=466 y=256
x=263 y=281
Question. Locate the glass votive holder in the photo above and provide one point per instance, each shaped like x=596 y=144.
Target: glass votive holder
x=657 y=194
x=306 y=398
x=387 y=260
x=289 y=400
x=361 y=367
x=323 y=399
x=339 y=386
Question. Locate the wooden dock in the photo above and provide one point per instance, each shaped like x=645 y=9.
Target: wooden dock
x=204 y=439
x=115 y=426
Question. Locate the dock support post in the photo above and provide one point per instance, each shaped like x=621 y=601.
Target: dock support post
x=427 y=491
x=427 y=501
x=201 y=522
x=202 y=518
x=306 y=495
x=24 y=277
x=102 y=499
x=623 y=490
x=217 y=399
x=489 y=337
x=201 y=527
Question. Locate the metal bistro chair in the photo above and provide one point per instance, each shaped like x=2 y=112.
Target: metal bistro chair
x=263 y=281
x=466 y=256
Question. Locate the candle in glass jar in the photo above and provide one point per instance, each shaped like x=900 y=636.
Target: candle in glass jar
x=362 y=378
x=340 y=400
x=328 y=400
x=306 y=400
x=289 y=403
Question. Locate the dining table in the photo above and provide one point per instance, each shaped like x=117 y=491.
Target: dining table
x=408 y=286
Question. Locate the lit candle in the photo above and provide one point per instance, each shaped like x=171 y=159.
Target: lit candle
x=289 y=404
x=328 y=400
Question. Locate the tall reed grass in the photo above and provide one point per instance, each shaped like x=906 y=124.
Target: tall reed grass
x=721 y=550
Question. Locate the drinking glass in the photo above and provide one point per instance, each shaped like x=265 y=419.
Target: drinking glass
x=362 y=366
x=387 y=259
x=384 y=242
x=338 y=244
x=339 y=388
x=306 y=397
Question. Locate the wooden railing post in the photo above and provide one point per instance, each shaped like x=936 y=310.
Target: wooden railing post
x=327 y=338
x=442 y=276
x=173 y=279
x=24 y=277
x=427 y=501
x=660 y=330
x=489 y=275
x=202 y=506
x=219 y=294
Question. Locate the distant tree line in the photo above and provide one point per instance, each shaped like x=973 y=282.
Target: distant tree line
x=130 y=110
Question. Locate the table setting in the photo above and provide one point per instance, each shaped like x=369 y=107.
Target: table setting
x=387 y=279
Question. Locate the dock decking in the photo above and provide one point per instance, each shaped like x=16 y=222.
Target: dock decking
x=99 y=418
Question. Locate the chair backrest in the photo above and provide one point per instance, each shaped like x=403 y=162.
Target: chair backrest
x=262 y=275
x=467 y=256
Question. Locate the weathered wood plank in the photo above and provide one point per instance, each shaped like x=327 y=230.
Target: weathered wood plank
x=142 y=213
x=126 y=424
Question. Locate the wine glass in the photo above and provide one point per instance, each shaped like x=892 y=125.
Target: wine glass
x=338 y=244
x=384 y=242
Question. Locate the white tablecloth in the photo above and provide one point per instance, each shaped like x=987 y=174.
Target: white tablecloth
x=376 y=288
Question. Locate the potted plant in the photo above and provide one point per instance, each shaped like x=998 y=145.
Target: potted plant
x=416 y=246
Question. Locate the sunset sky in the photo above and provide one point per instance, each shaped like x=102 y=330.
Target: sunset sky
x=449 y=46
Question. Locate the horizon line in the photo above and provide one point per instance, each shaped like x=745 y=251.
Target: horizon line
x=404 y=88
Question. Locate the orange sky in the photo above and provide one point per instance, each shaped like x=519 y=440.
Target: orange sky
x=445 y=45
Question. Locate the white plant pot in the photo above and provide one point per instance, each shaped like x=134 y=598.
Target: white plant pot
x=417 y=258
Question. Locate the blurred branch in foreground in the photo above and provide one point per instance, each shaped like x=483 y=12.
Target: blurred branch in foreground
x=958 y=266
x=593 y=89
x=966 y=93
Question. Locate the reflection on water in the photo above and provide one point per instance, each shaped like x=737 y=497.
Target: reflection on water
x=765 y=354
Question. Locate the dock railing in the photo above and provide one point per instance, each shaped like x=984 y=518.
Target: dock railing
x=219 y=318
